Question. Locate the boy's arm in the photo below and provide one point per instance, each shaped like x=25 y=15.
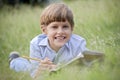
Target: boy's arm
x=39 y=64
x=34 y=53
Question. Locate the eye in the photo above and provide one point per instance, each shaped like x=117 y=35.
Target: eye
x=65 y=26
x=54 y=27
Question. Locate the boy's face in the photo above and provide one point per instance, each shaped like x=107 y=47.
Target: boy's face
x=58 y=34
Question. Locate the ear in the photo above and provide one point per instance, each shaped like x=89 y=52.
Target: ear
x=43 y=28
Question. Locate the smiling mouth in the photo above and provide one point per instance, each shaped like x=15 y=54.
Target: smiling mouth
x=60 y=38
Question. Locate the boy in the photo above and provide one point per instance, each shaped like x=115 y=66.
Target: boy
x=57 y=44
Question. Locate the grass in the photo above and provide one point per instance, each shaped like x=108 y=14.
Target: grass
x=96 y=20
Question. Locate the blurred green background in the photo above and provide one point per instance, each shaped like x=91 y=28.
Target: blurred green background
x=98 y=21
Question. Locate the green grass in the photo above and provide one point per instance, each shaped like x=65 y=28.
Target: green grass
x=98 y=21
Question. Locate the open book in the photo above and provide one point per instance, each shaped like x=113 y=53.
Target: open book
x=87 y=58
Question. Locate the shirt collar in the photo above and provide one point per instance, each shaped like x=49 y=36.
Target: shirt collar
x=44 y=42
x=67 y=44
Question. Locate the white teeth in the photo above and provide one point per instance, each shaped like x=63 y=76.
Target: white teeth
x=60 y=38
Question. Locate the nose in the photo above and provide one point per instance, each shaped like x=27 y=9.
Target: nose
x=60 y=31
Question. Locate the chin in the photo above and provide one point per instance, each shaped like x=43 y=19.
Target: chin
x=60 y=45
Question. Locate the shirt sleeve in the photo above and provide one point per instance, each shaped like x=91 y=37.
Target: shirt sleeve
x=78 y=44
x=34 y=53
x=83 y=45
x=20 y=64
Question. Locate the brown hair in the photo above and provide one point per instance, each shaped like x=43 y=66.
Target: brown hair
x=56 y=12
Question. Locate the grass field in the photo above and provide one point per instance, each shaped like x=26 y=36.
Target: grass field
x=98 y=21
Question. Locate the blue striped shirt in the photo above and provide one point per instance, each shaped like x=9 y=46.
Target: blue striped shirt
x=39 y=48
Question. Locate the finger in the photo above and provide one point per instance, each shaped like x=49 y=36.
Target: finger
x=46 y=61
x=47 y=66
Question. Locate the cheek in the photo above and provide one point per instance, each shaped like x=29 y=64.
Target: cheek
x=69 y=32
x=50 y=34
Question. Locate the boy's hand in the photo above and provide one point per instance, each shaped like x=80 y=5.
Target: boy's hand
x=46 y=64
